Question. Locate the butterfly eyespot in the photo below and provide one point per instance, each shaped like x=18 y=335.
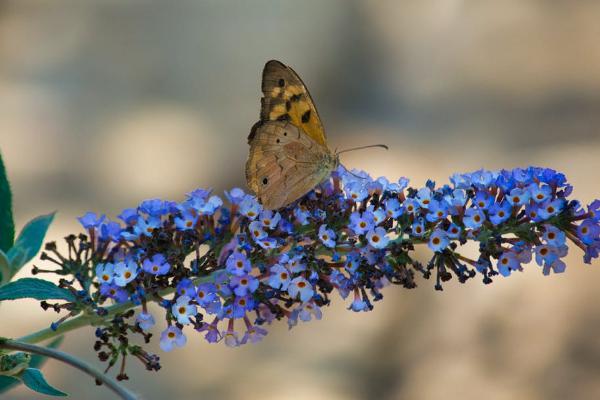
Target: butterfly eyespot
x=281 y=82
x=306 y=116
x=278 y=140
x=265 y=181
x=284 y=133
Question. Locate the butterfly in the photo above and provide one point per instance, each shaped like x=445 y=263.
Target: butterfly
x=288 y=155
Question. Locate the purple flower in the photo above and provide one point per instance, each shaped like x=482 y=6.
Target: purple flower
x=244 y=284
x=238 y=264
x=235 y=195
x=114 y=292
x=206 y=294
x=256 y=230
x=172 y=337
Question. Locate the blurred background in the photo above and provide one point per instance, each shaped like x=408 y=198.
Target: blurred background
x=105 y=103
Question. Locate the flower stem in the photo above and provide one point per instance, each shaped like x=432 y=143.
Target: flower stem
x=111 y=383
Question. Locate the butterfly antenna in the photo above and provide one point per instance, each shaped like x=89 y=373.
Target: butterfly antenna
x=383 y=146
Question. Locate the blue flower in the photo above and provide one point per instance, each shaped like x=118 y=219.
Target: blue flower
x=554 y=236
x=172 y=337
x=268 y=243
x=206 y=294
x=279 y=277
x=295 y=264
x=458 y=198
x=474 y=218
x=238 y=264
x=500 y=212
x=424 y=197
x=157 y=265
x=243 y=285
x=540 y=194
x=110 y=230
x=438 y=240
x=301 y=215
x=308 y=310
x=418 y=228
x=147 y=227
x=359 y=305
x=361 y=224
x=125 y=272
x=483 y=200
x=377 y=238
x=453 y=231
x=437 y=210
x=153 y=207
x=269 y=219
x=183 y=310
x=145 y=320
x=91 y=220
x=352 y=262
x=412 y=206
x=508 y=262
x=256 y=230
x=588 y=231
x=186 y=288
x=129 y=216
x=186 y=221
x=518 y=197
x=235 y=195
x=327 y=236
x=393 y=208
x=300 y=287
x=551 y=208
x=356 y=191
x=105 y=272
x=250 y=208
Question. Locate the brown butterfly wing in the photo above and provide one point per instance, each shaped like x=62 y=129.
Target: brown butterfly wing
x=285 y=163
x=286 y=98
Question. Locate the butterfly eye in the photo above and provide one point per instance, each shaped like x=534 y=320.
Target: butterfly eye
x=265 y=181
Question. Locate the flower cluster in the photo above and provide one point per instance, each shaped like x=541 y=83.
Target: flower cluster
x=226 y=270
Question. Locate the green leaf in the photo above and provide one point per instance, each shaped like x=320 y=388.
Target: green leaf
x=34 y=380
x=7 y=225
x=5 y=270
x=7 y=382
x=29 y=241
x=34 y=288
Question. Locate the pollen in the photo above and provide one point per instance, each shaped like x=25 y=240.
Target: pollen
x=436 y=240
x=301 y=284
x=181 y=310
x=375 y=238
x=127 y=275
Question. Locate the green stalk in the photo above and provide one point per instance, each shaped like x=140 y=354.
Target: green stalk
x=75 y=362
